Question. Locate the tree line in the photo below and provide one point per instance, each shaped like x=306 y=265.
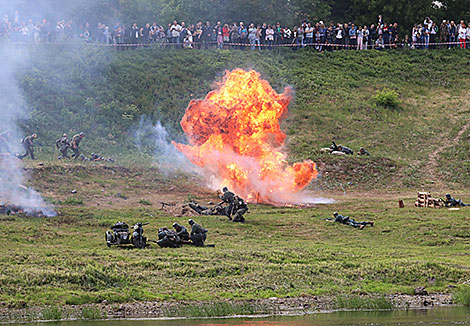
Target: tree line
x=287 y=12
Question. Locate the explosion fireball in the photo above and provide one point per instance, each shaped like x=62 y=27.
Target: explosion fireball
x=234 y=134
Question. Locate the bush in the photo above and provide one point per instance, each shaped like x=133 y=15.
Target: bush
x=52 y=313
x=387 y=98
x=92 y=313
x=462 y=295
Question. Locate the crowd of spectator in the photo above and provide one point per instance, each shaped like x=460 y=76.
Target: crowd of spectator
x=319 y=36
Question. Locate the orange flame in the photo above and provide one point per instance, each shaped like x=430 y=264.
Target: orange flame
x=234 y=134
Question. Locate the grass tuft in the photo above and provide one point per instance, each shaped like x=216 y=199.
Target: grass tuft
x=218 y=309
x=52 y=313
x=93 y=313
x=462 y=295
x=361 y=303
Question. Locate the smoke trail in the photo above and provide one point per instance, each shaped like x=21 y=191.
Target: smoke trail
x=13 y=109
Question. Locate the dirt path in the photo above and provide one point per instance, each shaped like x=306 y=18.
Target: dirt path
x=434 y=156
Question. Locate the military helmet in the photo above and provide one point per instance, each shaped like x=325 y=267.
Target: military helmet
x=224 y=189
x=190 y=221
x=175 y=224
x=447 y=195
x=335 y=213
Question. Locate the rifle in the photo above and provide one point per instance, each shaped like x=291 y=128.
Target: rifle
x=166 y=204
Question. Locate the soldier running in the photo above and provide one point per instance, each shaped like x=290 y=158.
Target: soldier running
x=63 y=146
x=28 y=146
x=76 y=144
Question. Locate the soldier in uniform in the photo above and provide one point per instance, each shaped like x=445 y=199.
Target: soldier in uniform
x=168 y=238
x=198 y=234
x=345 y=150
x=203 y=210
x=240 y=208
x=362 y=151
x=349 y=221
x=228 y=198
x=76 y=144
x=452 y=202
x=181 y=232
x=28 y=146
x=63 y=146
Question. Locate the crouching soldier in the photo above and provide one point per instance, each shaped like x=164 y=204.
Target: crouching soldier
x=28 y=146
x=228 y=198
x=240 y=208
x=76 y=144
x=181 y=232
x=452 y=202
x=198 y=234
x=168 y=238
x=63 y=146
x=349 y=221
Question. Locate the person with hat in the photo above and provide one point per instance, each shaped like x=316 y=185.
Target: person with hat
x=452 y=202
x=349 y=221
x=228 y=198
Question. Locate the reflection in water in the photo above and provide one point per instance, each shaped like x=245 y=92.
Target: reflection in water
x=439 y=316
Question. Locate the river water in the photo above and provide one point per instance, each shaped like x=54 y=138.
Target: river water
x=438 y=316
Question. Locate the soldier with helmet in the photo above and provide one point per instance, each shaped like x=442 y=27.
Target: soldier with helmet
x=76 y=144
x=63 y=146
x=28 y=146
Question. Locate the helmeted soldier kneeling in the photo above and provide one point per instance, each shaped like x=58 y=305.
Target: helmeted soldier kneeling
x=168 y=238
x=198 y=234
x=240 y=208
x=181 y=232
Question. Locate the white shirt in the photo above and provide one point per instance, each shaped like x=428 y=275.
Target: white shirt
x=462 y=32
x=175 y=30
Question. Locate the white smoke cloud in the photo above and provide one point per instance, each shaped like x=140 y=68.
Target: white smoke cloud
x=13 y=109
x=155 y=140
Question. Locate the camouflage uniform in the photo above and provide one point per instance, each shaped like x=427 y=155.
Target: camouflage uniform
x=240 y=208
x=198 y=234
x=28 y=146
x=76 y=145
x=63 y=146
x=203 y=210
x=362 y=151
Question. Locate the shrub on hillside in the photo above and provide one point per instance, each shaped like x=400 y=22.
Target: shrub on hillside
x=387 y=98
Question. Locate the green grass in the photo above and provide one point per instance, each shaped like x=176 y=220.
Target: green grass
x=278 y=252
x=52 y=313
x=335 y=99
x=363 y=303
x=92 y=313
x=462 y=295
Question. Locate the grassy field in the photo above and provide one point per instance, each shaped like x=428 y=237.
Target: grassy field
x=279 y=251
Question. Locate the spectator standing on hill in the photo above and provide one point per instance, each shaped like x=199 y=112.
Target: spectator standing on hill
x=175 y=30
x=219 y=35
x=462 y=35
x=452 y=34
x=270 y=37
x=360 y=38
x=443 y=32
x=207 y=33
x=353 y=36
x=242 y=35
x=252 y=35
x=226 y=34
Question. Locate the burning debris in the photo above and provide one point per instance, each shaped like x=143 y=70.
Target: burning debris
x=235 y=136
